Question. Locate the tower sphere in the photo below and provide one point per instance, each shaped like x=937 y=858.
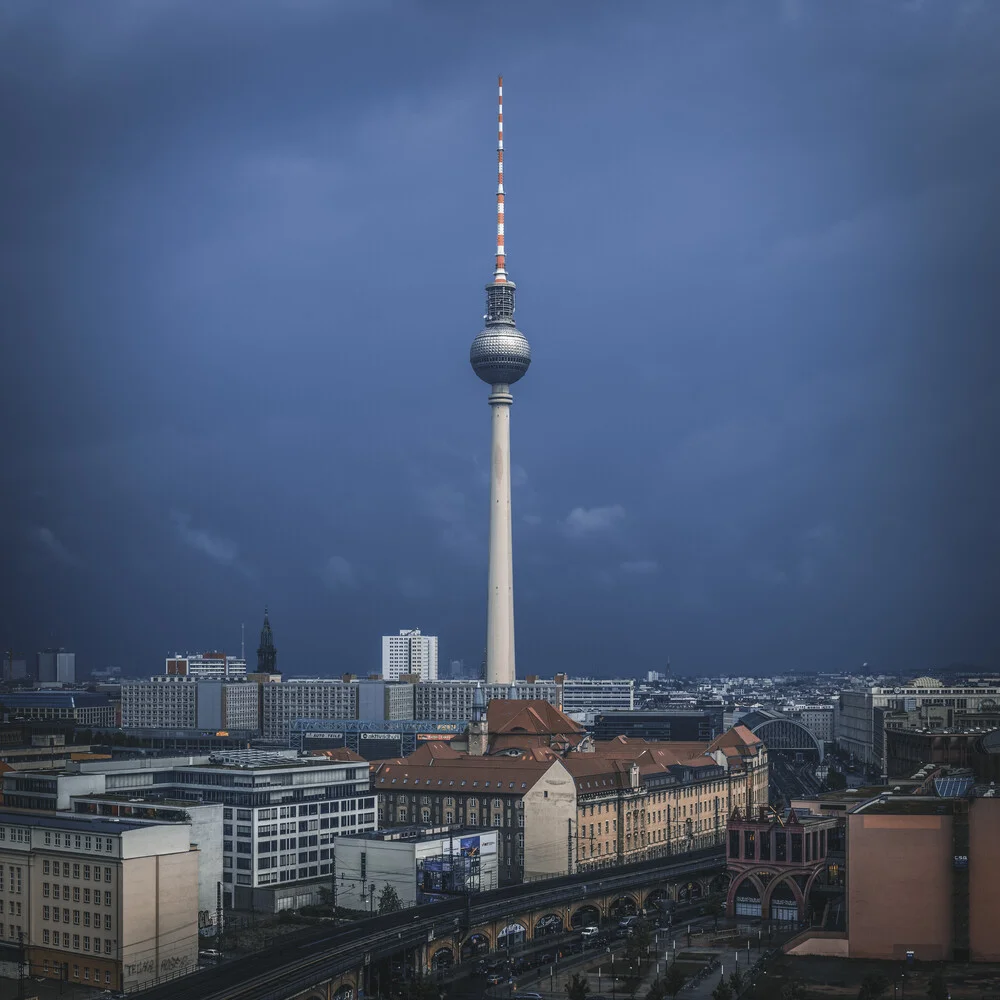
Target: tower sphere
x=500 y=355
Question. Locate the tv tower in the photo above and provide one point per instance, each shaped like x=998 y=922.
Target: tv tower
x=500 y=355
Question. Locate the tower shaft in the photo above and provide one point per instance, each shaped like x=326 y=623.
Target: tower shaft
x=500 y=603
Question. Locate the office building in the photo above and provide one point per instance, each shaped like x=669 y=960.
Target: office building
x=410 y=654
x=422 y=864
x=595 y=694
x=77 y=708
x=99 y=903
x=280 y=810
x=208 y=666
x=55 y=666
x=178 y=701
x=663 y=725
x=861 y=719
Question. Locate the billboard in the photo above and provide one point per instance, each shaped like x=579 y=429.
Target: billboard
x=470 y=847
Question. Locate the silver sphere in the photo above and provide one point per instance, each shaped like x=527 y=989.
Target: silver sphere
x=500 y=355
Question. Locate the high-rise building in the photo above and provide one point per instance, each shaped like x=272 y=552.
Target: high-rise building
x=410 y=652
x=267 y=655
x=500 y=355
x=180 y=702
x=56 y=666
x=210 y=665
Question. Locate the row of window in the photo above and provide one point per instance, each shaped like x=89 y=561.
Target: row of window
x=52 y=868
x=55 y=911
x=77 y=841
x=15 y=834
x=55 y=969
x=14 y=908
x=55 y=892
x=52 y=938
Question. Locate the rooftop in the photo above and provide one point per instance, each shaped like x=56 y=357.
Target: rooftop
x=417 y=834
x=68 y=821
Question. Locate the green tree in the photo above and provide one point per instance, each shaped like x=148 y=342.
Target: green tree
x=737 y=980
x=937 y=988
x=715 y=909
x=673 y=981
x=577 y=988
x=388 y=899
x=722 y=991
x=873 y=986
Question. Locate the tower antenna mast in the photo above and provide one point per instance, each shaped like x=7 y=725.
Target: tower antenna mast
x=243 y=642
x=500 y=272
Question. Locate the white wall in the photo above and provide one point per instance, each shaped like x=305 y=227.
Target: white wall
x=549 y=807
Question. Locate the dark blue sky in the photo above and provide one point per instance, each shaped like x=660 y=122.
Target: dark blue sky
x=756 y=244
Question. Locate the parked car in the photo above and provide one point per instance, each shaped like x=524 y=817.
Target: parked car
x=496 y=978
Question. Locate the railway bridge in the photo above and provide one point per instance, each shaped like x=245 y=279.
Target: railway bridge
x=329 y=964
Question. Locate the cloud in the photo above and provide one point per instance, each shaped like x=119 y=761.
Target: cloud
x=639 y=567
x=47 y=539
x=532 y=519
x=582 y=522
x=217 y=548
x=338 y=574
x=414 y=588
x=448 y=507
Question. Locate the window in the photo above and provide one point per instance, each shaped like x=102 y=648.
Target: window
x=76 y=871
x=45 y=938
x=45 y=866
x=76 y=942
x=76 y=916
x=107 y=921
x=45 y=889
x=86 y=918
x=45 y=913
x=107 y=878
x=107 y=946
x=76 y=894
x=86 y=873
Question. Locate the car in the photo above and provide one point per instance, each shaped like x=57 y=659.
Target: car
x=627 y=922
x=529 y=996
x=496 y=978
x=589 y=933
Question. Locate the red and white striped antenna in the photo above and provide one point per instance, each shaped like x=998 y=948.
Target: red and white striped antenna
x=500 y=273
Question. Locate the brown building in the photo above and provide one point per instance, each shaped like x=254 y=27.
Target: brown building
x=907 y=750
x=783 y=868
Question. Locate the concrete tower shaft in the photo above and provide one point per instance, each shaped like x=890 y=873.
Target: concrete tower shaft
x=500 y=355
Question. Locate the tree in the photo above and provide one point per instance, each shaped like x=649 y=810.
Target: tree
x=792 y=991
x=835 y=781
x=673 y=981
x=873 y=986
x=577 y=988
x=937 y=988
x=737 y=980
x=388 y=899
x=722 y=991
x=715 y=909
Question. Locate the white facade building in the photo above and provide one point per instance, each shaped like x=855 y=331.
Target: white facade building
x=219 y=666
x=410 y=652
x=818 y=719
x=422 y=864
x=597 y=694
x=176 y=701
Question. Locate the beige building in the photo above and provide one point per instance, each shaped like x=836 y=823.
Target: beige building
x=98 y=902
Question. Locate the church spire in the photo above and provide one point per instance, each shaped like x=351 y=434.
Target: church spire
x=267 y=655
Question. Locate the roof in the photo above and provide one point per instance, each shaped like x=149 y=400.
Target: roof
x=515 y=724
x=76 y=823
x=55 y=699
x=424 y=767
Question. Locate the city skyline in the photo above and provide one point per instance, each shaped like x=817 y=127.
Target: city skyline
x=760 y=248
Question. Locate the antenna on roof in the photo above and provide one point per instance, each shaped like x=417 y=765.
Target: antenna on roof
x=243 y=644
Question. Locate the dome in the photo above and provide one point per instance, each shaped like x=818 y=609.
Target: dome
x=925 y=682
x=500 y=355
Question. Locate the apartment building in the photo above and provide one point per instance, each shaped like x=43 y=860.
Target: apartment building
x=595 y=694
x=177 y=701
x=98 y=903
x=818 y=719
x=410 y=653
